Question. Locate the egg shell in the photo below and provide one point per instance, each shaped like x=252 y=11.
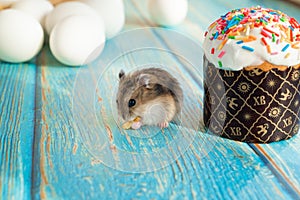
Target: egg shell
x=36 y=8
x=168 y=12
x=77 y=40
x=21 y=36
x=112 y=13
x=67 y=9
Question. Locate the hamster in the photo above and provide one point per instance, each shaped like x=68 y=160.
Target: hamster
x=151 y=94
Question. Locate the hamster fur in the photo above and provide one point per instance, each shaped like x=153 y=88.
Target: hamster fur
x=151 y=94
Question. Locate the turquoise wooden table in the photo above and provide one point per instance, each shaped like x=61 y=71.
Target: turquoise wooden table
x=43 y=154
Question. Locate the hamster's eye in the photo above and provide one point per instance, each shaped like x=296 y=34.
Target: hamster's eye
x=131 y=103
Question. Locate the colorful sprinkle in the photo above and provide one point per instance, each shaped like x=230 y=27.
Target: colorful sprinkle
x=221 y=54
x=248 y=30
x=270 y=31
x=269 y=49
x=216 y=35
x=277 y=41
x=264 y=41
x=222 y=44
x=285 y=48
x=265 y=34
x=283 y=34
x=273 y=37
x=294 y=23
x=212 y=26
x=277 y=31
x=287 y=55
x=294 y=46
x=248 y=48
x=252 y=37
x=220 y=64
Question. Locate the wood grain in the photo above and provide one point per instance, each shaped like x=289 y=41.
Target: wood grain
x=17 y=82
x=211 y=168
x=277 y=155
x=43 y=154
x=282 y=159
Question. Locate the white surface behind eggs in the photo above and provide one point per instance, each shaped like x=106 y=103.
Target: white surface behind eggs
x=77 y=40
x=21 y=36
x=168 y=12
x=66 y=9
x=36 y=8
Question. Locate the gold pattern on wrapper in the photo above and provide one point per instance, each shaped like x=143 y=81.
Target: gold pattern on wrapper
x=252 y=105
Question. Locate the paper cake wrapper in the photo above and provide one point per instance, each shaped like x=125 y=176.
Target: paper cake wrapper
x=251 y=105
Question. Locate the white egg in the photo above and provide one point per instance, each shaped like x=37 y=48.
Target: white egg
x=36 y=8
x=168 y=12
x=112 y=13
x=66 y=9
x=77 y=40
x=21 y=36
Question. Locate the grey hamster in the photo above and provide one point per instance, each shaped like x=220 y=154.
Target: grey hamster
x=152 y=94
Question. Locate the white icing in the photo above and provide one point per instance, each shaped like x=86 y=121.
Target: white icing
x=236 y=58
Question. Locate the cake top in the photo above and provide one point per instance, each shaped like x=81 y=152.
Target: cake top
x=251 y=36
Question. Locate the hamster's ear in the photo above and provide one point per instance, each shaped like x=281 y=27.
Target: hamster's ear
x=121 y=74
x=144 y=80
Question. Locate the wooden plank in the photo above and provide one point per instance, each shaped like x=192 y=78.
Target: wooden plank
x=282 y=159
x=278 y=165
x=56 y=136
x=17 y=86
x=178 y=177
x=65 y=168
x=211 y=168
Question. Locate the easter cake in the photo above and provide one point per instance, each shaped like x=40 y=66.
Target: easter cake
x=251 y=63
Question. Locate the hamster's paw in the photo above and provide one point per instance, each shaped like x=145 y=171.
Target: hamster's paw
x=136 y=125
x=163 y=125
